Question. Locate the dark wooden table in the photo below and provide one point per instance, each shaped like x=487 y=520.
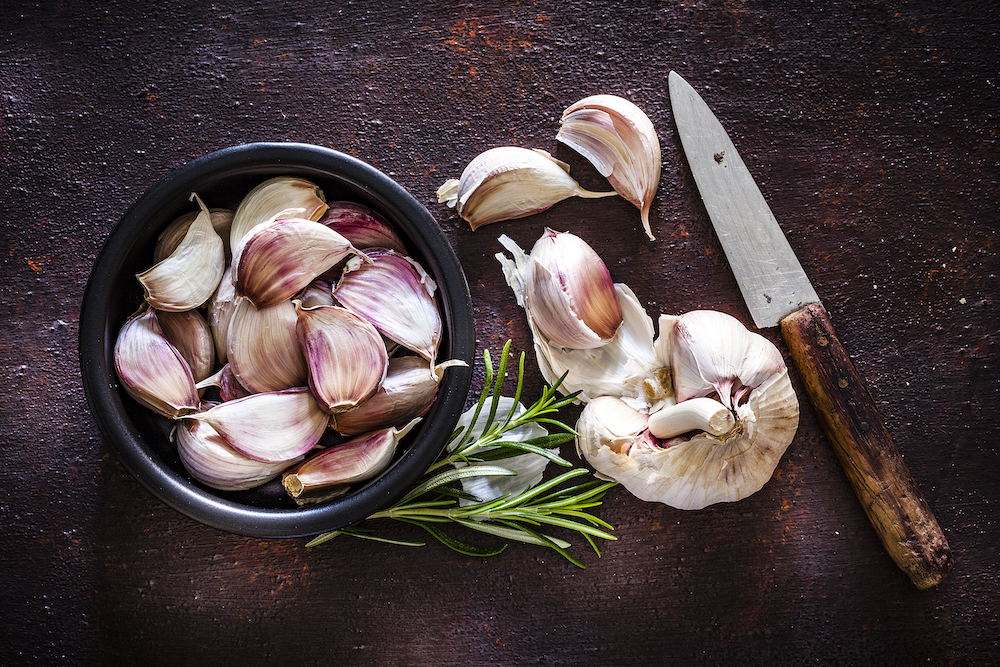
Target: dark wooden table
x=872 y=130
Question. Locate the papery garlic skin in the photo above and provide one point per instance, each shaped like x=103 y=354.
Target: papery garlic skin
x=189 y=276
x=152 y=371
x=620 y=141
x=263 y=347
x=344 y=353
x=396 y=295
x=210 y=460
x=510 y=182
x=271 y=427
x=569 y=292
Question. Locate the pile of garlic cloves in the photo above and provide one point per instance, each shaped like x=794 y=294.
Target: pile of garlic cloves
x=290 y=337
x=698 y=415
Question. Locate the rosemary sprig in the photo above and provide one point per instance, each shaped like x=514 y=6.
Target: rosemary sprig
x=562 y=502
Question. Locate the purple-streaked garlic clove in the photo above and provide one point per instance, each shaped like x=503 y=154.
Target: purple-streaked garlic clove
x=272 y=426
x=188 y=277
x=210 y=460
x=220 y=311
x=362 y=226
x=407 y=392
x=346 y=358
x=356 y=460
x=396 y=295
x=264 y=351
x=189 y=333
x=267 y=201
x=280 y=258
x=152 y=371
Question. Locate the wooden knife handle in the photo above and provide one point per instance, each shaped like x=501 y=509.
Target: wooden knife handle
x=882 y=482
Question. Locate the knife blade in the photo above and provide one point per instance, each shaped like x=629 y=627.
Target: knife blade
x=778 y=292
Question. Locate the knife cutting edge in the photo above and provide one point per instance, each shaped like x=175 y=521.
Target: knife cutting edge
x=778 y=292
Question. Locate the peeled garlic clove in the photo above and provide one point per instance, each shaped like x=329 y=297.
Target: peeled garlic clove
x=510 y=182
x=271 y=427
x=190 y=334
x=396 y=295
x=152 y=371
x=356 y=460
x=281 y=257
x=188 y=277
x=697 y=414
x=346 y=358
x=210 y=460
x=627 y=366
x=221 y=307
x=264 y=351
x=621 y=143
x=171 y=237
x=407 y=392
x=362 y=226
x=569 y=292
x=270 y=198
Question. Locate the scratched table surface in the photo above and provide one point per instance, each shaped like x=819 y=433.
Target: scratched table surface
x=870 y=127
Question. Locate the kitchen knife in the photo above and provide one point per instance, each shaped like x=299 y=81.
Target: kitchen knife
x=777 y=291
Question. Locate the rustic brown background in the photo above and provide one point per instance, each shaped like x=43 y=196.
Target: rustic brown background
x=871 y=127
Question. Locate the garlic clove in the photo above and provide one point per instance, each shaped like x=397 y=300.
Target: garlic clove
x=627 y=366
x=189 y=333
x=270 y=198
x=621 y=143
x=362 y=226
x=271 y=427
x=569 y=292
x=510 y=182
x=188 y=277
x=220 y=311
x=281 y=257
x=171 y=237
x=407 y=392
x=697 y=414
x=346 y=358
x=263 y=348
x=229 y=387
x=152 y=371
x=317 y=293
x=210 y=460
x=356 y=460
x=396 y=295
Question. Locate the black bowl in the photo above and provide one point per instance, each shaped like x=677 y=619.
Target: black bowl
x=140 y=439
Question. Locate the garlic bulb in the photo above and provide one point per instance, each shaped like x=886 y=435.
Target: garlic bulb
x=264 y=351
x=738 y=439
x=152 y=371
x=188 y=277
x=620 y=141
x=510 y=182
x=211 y=461
x=396 y=295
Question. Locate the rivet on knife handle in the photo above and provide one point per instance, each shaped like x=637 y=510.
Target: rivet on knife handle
x=887 y=491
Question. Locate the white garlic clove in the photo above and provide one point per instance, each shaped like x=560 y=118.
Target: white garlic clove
x=697 y=414
x=281 y=257
x=210 y=460
x=620 y=141
x=396 y=295
x=171 y=237
x=317 y=293
x=188 y=277
x=221 y=307
x=152 y=371
x=627 y=366
x=362 y=226
x=510 y=182
x=189 y=333
x=266 y=201
x=346 y=358
x=407 y=392
x=263 y=348
x=356 y=460
x=569 y=292
x=271 y=427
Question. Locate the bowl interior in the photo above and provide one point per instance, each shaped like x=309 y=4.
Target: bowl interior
x=141 y=439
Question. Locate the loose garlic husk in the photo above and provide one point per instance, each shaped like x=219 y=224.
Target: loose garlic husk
x=510 y=182
x=357 y=460
x=189 y=276
x=210 y=460
x=621 y=143
x=396 y=295
x=271 y=426
x=263 y=348
x=152 y=370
